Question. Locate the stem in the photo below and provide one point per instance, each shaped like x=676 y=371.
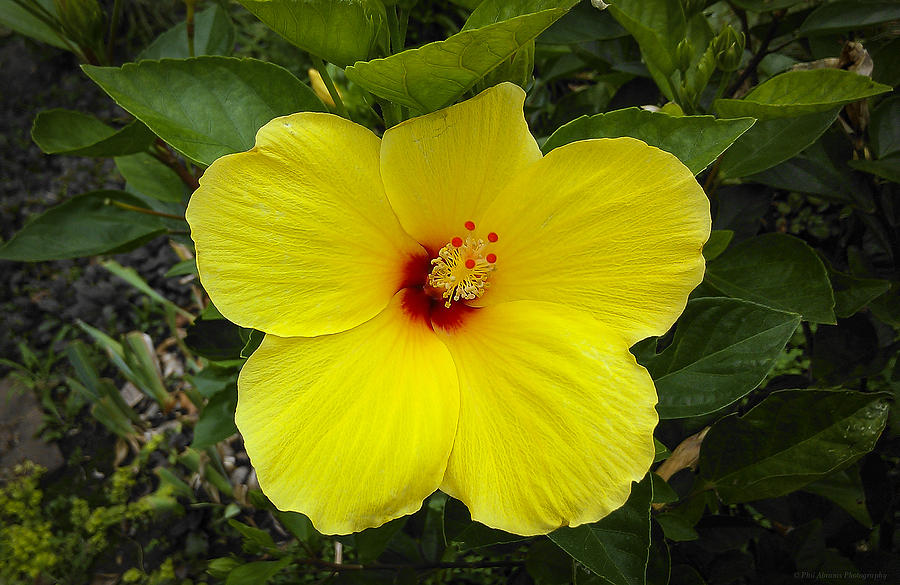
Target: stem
x=113 y=21
x=394 y=27
x=723 y=84
x=163 y=155
x=403 y=17
x=750 y=69
x=329 y=84
x=143 y=210
x=189 y=22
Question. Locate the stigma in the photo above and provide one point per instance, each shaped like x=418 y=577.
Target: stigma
x=462 y=267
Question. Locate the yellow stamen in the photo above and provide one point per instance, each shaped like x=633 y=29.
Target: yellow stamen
x=461 y=271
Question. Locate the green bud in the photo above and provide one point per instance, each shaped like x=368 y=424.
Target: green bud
x=729 y=48
x=684 y=54
x=83 y=21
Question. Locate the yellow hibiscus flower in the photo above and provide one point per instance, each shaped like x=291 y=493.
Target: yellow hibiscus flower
x=445 y=308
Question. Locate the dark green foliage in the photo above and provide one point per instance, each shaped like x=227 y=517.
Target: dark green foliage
x=777 y=448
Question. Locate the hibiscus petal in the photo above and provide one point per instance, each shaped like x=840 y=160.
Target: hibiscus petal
x=351 y=429
x=612 y=226
x=556 y=418
x=443 y=169
x=296 y=237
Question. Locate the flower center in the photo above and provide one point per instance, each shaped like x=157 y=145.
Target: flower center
x=462 y=267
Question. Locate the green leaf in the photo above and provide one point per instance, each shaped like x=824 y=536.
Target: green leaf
x=886 y=168
x=519 y=67
x=791 y=439
x=662 y=491
x=884 y=127
x=723 y=348
x=85 y=225
x=766 y=5
x=582 y=24
x=547 y=564
x=297 y=524
x=776 y=270
x=213 y=35
x=771 y=142
x=254 y=538
x=813 y=172
x=695 y=140
x=148 y=176
x=437 y=74
x=252 y=340
x=213 y=379
x=205 y=107
x=215 y=339
x=677 y=528
x=371 y=542
x=257 y=572
x=182 y=268
x=13 y=16
x=216 y=422
x=661 y=451
x=797 y=93
x=140 y=356
x=68 y=132
x=657 y=26
x=340 y=32
x=493 y=11
x=846 y=16
x=79 y=357
x=717 y=243
x=131 y=276
x=617 y=547
x=659 y=563
x=845 y=489
x=852 y=294
x=466 y=533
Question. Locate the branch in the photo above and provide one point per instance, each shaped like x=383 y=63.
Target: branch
x=165 y=156
x=760 y=54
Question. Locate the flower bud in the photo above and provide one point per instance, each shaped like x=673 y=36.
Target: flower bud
x=684 y=54
x=729 y=48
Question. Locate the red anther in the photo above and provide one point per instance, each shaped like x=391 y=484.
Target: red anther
x=491 y=258
x=493 y=237
x=470 y=225
x=470 y=264
x=457 y=242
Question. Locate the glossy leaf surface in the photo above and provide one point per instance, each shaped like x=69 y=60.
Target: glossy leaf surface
x=85 y=225
x=696 y=140
x=340 y=32
x=436 y=74
x=617 y=547
x=205 y=107
x=60 y=131
x=789 y=440
x=778 y=271
x=722 y=350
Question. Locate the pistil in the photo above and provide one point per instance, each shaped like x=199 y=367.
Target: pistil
x=462 y=268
